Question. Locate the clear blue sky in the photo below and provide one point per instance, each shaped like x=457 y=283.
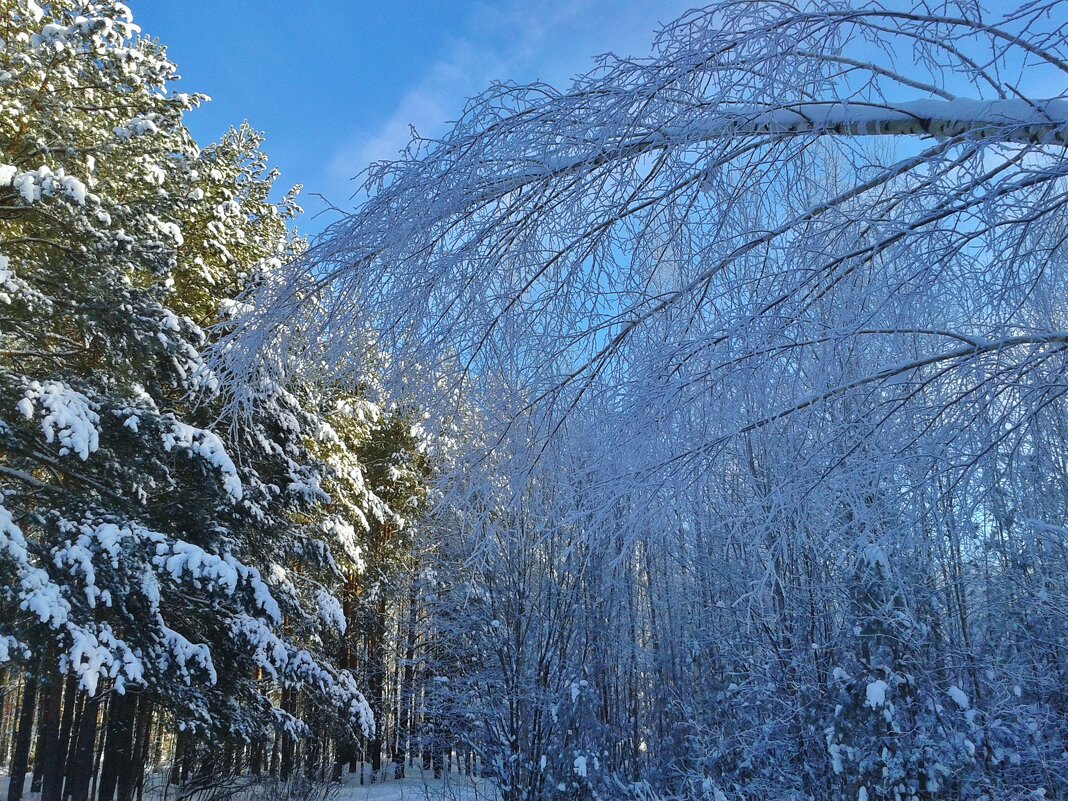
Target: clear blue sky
x=335 y=84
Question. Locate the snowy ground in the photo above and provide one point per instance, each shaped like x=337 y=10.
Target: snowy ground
x=416 y=787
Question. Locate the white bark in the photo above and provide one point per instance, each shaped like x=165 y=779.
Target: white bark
x=1020 y=121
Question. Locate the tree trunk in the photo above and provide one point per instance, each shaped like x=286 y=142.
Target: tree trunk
x=179 y=752
x=76 y=704
x=8 y=717
x=131 y=770
x=256 y=758
x=53 y=748
x=39 y=746
x=21 y=755
x=81 y=763
x=288 y=755
x=407 y=690
x=118 y=750
x=339 y=765
x=276 y=749
x=57 y=765
x=376 y=679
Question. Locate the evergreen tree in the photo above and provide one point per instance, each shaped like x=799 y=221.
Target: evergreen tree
x=175 y=567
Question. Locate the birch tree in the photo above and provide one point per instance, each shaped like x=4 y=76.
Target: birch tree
x=549 y=235
x=781 y=305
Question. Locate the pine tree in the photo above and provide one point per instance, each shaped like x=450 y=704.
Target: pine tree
x=182 y=568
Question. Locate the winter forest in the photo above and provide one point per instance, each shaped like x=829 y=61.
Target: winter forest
x=696 y=430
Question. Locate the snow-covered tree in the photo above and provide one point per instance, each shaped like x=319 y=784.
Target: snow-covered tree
x=787 y=290
x=158 y=564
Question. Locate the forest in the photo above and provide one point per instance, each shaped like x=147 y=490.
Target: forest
x=697 y=430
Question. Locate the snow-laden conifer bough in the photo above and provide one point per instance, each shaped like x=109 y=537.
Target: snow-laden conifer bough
x=156 y=567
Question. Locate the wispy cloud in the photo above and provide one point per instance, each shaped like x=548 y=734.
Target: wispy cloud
x=520 y=40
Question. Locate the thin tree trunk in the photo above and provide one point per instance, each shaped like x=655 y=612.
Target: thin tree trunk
x=311 y=756
x=99 y=746
x=77 y=706
x=179 y=754
x=118 y=752
x=407 y=693
x=57 y=764
x=81 y=764
x=21 y=755
x=8 y=715
x=376 y=663
x=276 y=749
x=38 y=742
x=256 y=758
x=288 y=755
x=53 y=748
x=188 y=749
x=132 y=773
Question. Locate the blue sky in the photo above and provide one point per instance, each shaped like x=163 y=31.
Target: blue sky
x=335 y=84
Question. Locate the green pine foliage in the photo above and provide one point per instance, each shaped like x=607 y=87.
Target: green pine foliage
x=146 y=548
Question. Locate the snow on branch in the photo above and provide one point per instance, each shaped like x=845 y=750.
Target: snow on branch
x=684 y=227
x=1022 y=121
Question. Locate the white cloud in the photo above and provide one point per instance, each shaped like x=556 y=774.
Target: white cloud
x=522 y=41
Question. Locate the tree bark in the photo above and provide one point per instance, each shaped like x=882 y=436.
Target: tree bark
x=81 y=764
x=131 y=770
x=376 y=680
x=118 y=751
x=407 y=690
x=8 y=716
x=76 y=703
x=53 y=748
x=21 y=755
x=288 y=756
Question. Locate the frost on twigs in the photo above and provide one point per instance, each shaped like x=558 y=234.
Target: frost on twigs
x=661 y=229
x=743 y=324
